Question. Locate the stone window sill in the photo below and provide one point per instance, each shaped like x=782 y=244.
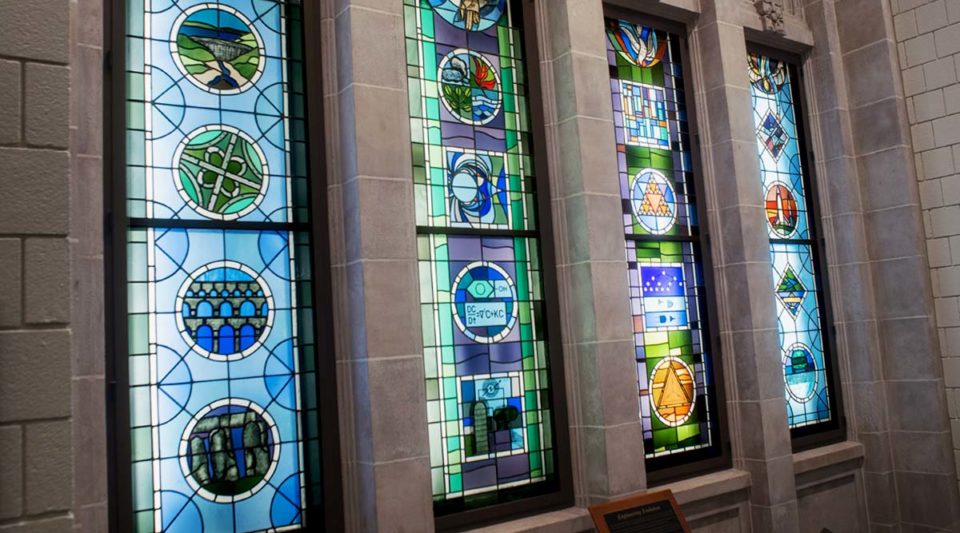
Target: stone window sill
x=569 y=520
x=826 y=456
x=577 y=519
x=707 y=486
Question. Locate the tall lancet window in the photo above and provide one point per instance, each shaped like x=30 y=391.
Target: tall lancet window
x=663 y=232
x=794 y=248
x=488 y=363
x=220 y=351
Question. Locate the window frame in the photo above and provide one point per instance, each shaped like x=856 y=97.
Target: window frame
x=120 y=513
x=696 y=462
x=562 y=495
x=834 y=430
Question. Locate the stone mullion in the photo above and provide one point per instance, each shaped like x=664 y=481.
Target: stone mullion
x=909 y=367
x=754 y=381
x=601 y=377
x=859 y=367
x=386 y=464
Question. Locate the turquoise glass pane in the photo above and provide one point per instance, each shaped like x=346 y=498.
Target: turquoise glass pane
x=466 y=87
x=482 y=309
x=667 y=293
x=799 y=297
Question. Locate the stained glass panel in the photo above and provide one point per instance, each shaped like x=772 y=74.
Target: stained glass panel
x=219 y=313
x=487 y=371
x=663 y=251
x=798 y=295
x=212 y=95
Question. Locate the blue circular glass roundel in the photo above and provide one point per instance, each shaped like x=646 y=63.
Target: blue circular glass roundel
x=229 y=450
x=217 y=324
x=485 y=302
x=474 y=192
x=800 y=373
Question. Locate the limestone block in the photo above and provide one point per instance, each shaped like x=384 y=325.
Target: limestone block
x=939 y=73
x=48 y=466
x=38 y=29
x=931 y=16
x=11 y=471
x=47 y=105
x=10 y=91
x=39 y=204
x=39 y=362
x=11 y=289
x=47 y=280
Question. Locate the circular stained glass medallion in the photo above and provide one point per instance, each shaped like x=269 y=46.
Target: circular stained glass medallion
x=222 y=172
x=485 y=302
x=782 y=211
x=217 y=48
x=672 y=391
x=469 y=87
x=476 y=193
x=472 y=15
x=654 y=201
x=766 y=74
x=229 y=450
x=225 y=310
x=800 y=372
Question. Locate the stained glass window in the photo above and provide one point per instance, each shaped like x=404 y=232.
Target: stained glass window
x=487 y=367
x=221 y=348
x=674 y=368
x=792 y=241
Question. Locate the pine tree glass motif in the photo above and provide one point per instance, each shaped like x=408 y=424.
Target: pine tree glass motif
x=219 y=309
x=487 y=378
x=792 y=241
x=662 y=240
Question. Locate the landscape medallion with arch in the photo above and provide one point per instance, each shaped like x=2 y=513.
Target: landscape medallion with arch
x=470 y=87
x=221 y=172
x=229 y=450
x=217 y=48
x=225 y=311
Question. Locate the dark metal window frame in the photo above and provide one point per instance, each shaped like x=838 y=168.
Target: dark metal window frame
x=555 y=494
x=684 y=465
x=833 y=430
x=116 y=225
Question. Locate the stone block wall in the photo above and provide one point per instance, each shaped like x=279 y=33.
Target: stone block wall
x=35 y=330
x=928 y=44
x=52 y=334
x=52 y=413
